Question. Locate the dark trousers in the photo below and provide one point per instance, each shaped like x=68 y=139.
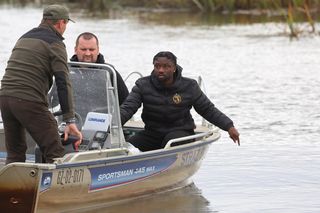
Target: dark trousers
x=20 y=115
x=147 y=140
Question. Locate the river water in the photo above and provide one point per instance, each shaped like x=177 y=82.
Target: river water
x=268 y=84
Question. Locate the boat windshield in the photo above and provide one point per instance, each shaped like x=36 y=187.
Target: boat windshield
x=94 y=91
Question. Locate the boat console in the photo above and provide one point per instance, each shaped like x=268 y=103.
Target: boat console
x=96 y=104
x=96 y=131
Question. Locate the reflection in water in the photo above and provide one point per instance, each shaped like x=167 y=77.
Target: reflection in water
x=186 y=200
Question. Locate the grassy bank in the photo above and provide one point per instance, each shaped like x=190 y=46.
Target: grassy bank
x=191 y=5
x=288 y=9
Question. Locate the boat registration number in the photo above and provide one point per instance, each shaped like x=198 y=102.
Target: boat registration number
x=70 y=176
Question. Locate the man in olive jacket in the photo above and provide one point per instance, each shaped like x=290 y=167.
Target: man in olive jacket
x=167 y=99
x=37 y=56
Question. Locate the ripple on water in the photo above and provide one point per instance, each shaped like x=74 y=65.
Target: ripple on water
x=266 y=83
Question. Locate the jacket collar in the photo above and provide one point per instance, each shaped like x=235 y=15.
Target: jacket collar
x=100 y=59
x=51 y=28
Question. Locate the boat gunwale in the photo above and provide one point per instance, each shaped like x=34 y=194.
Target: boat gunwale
x=154 y=153
x=115 y=159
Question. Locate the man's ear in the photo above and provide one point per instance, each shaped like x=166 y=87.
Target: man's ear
x=58 y=25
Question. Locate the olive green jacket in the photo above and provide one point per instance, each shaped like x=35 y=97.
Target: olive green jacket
x=37 y=56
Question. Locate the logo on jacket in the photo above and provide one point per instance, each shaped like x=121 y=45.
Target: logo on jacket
x=177 y=98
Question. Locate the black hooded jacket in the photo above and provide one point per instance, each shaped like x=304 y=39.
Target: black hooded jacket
x=167 y=109
x=122 y=88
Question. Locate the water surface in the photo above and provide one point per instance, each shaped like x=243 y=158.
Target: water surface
x=268 y=84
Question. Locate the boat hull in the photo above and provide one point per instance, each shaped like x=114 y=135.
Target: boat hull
x=104 y=170
x=86 y=184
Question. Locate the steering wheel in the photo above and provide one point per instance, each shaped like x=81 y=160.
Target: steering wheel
x=61 y=126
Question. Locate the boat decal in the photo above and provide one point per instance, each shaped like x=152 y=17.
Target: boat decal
x=119 y=174
x=192 y=156
x=46 y=181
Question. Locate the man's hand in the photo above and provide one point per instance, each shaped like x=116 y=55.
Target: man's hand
x=234 y=135
x=71 y=129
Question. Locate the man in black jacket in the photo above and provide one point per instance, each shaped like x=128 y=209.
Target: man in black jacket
x=37 y=56
x=167 y=99
x=87 y=50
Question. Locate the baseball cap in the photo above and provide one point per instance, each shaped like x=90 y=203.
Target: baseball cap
x=56 y=12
